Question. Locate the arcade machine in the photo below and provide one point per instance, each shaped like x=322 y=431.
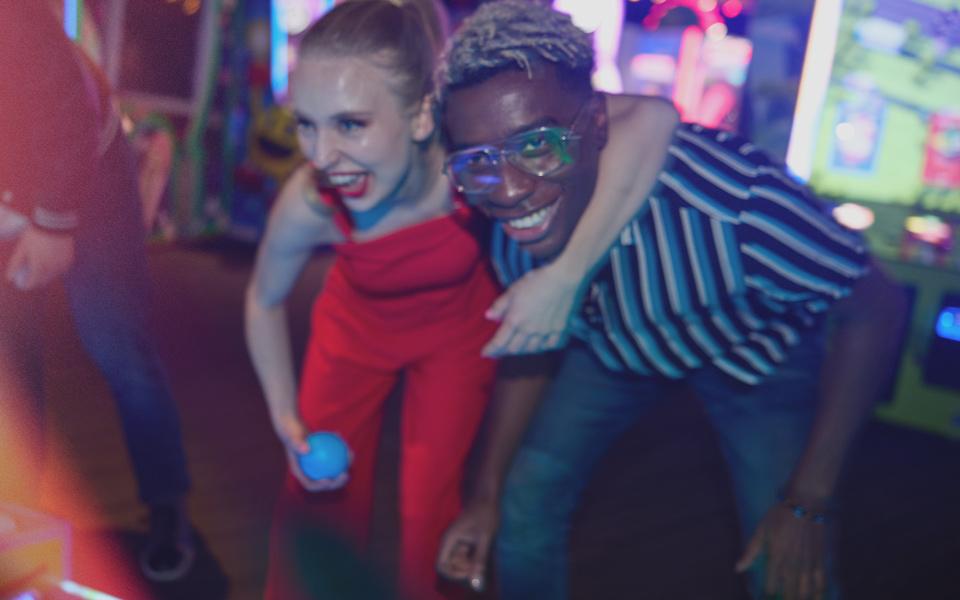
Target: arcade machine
x=877 y=131
x=158 y=57
x=686 y=50
x=260 y=143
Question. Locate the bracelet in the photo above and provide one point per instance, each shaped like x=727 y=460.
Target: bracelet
x=64 y=222
x=801 y=511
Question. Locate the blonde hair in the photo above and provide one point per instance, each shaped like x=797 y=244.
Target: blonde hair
x=515 y=34
x=403 y=36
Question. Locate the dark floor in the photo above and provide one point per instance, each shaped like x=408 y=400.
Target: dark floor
x=657 y=521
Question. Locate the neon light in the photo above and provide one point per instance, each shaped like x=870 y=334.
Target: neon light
x=948 y=323
x=717 y=31
x=71 y=17
x=689 y=85
x=288 y=19
x=82 y=591
x=854 y=216
x=707 y=16
x=929 y=228
x=817 y=64
x=731 y=9
x=279 y=48
x=717 y=102
x=605 y=21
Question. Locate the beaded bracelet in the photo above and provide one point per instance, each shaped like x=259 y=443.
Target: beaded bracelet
x=800 y=511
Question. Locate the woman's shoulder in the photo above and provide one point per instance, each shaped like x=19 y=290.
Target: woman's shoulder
x=301 y=213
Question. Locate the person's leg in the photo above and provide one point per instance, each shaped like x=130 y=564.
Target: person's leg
x=444 y=400
x=585 y=410
x=21 y=376
x=347 y=398
x=109 y=293
x=762 y=431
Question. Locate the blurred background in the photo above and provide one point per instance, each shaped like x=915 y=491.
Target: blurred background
x=860 y=98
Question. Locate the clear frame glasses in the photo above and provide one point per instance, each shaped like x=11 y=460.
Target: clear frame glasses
x=542 y=152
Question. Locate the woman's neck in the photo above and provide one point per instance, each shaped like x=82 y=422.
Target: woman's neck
x=425 y=182
x=424 y=194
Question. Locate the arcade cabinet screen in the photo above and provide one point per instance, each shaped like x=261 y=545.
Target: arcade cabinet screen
x=159 y=50
x=889 y=126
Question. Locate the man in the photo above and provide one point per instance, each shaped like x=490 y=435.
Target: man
x=721 y=280
x=70 y=209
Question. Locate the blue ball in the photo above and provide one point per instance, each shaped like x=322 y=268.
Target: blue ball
x=327 y=458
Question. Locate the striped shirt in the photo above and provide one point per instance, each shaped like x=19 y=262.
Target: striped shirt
x=726 y=264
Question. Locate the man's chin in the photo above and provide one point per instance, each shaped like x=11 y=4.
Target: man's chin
x=544 y=249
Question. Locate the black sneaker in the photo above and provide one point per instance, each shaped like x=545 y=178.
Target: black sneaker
x=169 y=552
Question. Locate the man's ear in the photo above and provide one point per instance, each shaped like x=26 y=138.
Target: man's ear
x=423 y=124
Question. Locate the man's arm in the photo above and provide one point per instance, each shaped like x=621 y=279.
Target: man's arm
x=51 y=159
x=861 y=351
x=465 y=547
x=535 y=310
x=520 y=384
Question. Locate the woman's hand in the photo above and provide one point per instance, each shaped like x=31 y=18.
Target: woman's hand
x=293 y=435
x=534 y=312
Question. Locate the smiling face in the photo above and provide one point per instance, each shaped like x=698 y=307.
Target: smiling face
x=538 y=212
x=354 y=128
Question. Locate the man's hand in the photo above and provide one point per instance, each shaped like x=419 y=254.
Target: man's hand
x=38 y=258
x=293 y=434
x=795 y=548
x=465 y=547
x=534 y=312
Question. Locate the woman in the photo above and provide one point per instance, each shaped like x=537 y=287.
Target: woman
x=406 y=293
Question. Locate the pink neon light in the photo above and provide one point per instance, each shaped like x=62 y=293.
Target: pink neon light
x=659 y=11
x=689 y=86
x=731 y=8
x=718 y=101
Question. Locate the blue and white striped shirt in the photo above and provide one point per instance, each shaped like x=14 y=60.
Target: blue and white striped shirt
x=728 y=261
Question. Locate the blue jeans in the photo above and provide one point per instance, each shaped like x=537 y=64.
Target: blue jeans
x=108 y=289
x=762 y=431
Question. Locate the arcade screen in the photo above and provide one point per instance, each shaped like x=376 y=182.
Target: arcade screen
x=889 y=126
x=159 y=52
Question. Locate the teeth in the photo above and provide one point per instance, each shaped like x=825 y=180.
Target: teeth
x=531 y=220
x=343 y=180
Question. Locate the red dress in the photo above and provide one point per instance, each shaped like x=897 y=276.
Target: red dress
x=411 y=302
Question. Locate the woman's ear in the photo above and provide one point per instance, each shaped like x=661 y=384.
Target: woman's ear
x=423 y=124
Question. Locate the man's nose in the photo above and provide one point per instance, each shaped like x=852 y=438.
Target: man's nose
x=514 y=187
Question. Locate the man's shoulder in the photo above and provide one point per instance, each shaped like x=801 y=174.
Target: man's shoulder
x=730 y=147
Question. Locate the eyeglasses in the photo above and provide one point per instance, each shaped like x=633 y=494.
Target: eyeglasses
x=543 y=152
